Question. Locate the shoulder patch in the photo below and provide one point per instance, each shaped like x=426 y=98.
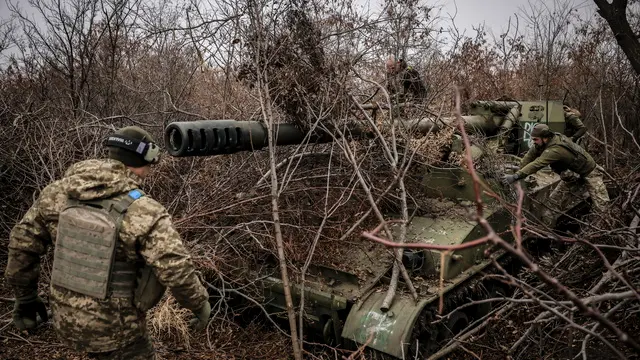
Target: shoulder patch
x=135 y=194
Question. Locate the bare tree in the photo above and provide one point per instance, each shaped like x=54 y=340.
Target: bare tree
x=615 y=13
x=408 y=28
x=7 y=28
x=550 y=39
x=66 y=43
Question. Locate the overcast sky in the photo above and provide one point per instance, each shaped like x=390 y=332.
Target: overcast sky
x=3 y=10
x=495 y=13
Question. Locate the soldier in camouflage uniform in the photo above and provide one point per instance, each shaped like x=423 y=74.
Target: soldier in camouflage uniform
x=403 y=84
x=563 y=156
x=574 y=128
x=411 y=81
x=115 y=252
x=404 y=80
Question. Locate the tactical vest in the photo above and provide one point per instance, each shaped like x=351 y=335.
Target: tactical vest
x=581 y=163
x=84 y=255
x=569 y=130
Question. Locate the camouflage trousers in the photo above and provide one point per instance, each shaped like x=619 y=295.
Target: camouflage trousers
x=568 y=190
x=141 y=349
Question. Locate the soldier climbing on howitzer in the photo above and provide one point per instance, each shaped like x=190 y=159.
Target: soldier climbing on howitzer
x=115 y=252
x=574 y=128
x=565 y=158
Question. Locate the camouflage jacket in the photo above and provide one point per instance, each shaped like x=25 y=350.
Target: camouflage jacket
x=574 y=128
x=556 y=155
x=406 y=82
x=146 y=235
x=412 y=83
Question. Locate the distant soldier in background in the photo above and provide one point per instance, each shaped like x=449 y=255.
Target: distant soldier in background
x=411 y=81
x=403 y=81
x=393 y=83
x=574 y=128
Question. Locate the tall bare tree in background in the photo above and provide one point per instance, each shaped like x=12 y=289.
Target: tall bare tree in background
x=615 y=13
x=66 y=44
x=408 y=29
x=551 y=37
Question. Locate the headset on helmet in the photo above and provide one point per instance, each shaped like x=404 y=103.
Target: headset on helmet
x=148 y=150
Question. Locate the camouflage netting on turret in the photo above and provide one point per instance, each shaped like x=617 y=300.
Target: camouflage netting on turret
x=304 y=84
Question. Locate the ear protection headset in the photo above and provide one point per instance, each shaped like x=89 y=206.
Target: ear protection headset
x=148 y=150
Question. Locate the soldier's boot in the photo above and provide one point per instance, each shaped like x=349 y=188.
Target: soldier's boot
x=556 y=201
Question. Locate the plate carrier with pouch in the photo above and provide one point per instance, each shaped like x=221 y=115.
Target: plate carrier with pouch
x=85 y=251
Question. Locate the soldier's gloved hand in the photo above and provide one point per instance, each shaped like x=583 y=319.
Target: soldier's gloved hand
x=202 y=317
x=25 y=311
x=509 y=179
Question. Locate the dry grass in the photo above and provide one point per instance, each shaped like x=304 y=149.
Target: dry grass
x=169 y=322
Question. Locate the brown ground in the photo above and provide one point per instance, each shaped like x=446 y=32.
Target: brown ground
x=229 y=341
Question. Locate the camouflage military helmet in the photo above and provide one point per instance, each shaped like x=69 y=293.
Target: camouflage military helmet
x=541 y=131
x=133 y=147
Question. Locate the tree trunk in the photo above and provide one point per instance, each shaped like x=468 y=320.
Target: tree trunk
x=265 y=99
x=616 y=16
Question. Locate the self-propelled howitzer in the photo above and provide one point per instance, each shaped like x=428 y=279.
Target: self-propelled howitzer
x=344 y=305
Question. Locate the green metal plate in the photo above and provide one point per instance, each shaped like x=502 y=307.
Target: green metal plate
x=390 y=331
x=453 y=183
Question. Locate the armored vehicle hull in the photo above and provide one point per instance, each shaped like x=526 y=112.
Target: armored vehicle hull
x=343 y=301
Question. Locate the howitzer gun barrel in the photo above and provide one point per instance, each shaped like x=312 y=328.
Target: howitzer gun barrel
x=495 y=105
x=215 y=137
x=475 y=124
x=480 y=124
